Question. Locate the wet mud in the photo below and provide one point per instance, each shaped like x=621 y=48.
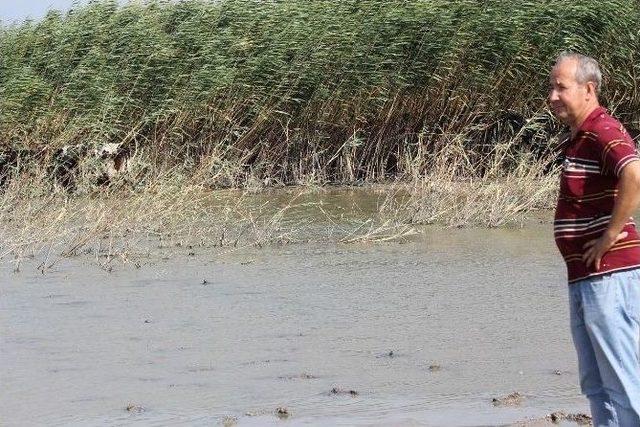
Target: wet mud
x=557 y=418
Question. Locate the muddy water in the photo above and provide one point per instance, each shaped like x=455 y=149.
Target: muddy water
x=425 y=332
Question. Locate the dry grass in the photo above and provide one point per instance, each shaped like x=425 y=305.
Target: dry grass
x=124 y=221
x=127 y=226
x=456 y=192
x=122 y=224
x=485 y=202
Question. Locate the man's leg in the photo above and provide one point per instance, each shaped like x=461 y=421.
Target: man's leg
x=610 y=307
x=602 y=410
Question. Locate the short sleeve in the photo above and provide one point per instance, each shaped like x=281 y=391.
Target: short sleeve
x=618 y=149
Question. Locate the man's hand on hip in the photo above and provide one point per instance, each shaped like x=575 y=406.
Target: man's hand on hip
x=626 y=202
x=596 y=248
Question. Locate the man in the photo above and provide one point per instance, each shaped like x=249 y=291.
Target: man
x=594 y=231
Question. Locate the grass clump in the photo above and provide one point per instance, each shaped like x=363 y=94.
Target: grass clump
x=131 y=225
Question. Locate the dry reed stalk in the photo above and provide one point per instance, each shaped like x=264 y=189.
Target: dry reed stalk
x=117 y=224
x=442 y=198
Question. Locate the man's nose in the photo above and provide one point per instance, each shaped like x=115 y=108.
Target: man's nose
x=553 y=95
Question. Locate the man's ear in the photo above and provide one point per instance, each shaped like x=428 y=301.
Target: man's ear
x=591 y=90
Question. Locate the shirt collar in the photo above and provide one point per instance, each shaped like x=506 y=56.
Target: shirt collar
x=595 y=113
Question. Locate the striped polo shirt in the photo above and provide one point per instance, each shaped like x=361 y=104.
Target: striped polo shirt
x=593 y=160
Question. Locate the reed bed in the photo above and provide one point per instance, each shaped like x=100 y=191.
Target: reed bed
x=297 y=91
x=169 y=216
x=457 y=192
x=443 y=100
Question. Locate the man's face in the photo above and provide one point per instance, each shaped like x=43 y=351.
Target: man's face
x=567 y=97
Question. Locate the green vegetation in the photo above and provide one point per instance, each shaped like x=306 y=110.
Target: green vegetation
x=444 y=100
x=291 y=91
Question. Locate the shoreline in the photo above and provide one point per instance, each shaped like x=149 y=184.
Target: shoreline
x=118 y=224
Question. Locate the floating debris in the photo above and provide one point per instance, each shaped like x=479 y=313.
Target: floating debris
x=302 y=376
x=339 y=391
x=513 y=399
x=135 y=409
x=282 y=413
x=581 y=419
x=559 y=416
x=387 y=354
x=229 y=421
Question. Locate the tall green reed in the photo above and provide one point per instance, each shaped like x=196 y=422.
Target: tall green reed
x=287 y=90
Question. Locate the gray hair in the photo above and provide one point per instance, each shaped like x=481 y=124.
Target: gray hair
x=588 y=69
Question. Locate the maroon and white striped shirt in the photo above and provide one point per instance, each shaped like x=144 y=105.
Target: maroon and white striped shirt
x=593 y=160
